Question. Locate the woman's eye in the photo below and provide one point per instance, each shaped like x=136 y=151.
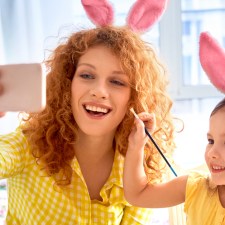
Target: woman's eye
x=210 y=141
x=117 y=82
x=86 y=76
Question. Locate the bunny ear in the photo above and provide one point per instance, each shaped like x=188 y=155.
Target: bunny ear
x=212 y=59
x=100 y=12
x=144 y=13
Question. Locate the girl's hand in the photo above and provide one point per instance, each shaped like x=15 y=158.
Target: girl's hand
x=135 y=179
x=138 y=138
x=1 y=92
x=148 y=120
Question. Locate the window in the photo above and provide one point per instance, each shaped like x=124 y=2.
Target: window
x=181 y=26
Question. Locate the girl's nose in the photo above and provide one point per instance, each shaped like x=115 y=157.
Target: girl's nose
x=214 y=152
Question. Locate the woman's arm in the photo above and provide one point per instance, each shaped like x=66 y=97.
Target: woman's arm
x=136 y=188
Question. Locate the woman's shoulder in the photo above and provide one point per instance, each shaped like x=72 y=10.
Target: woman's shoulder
x=14 y=136
x=14 y=141
x=15 y=153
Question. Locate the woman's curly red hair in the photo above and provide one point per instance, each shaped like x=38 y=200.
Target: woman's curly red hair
x=53 y=131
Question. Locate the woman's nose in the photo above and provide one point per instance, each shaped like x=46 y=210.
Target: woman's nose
x=99 y=90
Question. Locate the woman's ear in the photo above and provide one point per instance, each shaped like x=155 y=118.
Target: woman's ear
x=212 y=59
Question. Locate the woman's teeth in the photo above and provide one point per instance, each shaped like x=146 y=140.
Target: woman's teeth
x=96 y=109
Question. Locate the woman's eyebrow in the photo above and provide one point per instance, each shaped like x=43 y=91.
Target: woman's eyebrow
x=119 y=72
x=86 y=64
x=93 y=67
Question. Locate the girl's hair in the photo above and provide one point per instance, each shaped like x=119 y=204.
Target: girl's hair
x=219 y=106
x=52 y=132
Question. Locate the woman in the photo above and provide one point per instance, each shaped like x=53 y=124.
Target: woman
x=64 y=165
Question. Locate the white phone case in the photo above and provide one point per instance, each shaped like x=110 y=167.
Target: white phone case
x=24 y=87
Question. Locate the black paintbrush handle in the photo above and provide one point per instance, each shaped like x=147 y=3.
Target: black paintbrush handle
x=157 y=147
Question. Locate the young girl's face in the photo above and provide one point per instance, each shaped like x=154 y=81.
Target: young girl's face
x=100 y=92
x=215 y=150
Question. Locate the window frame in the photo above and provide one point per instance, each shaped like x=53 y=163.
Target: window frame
x=172 y=55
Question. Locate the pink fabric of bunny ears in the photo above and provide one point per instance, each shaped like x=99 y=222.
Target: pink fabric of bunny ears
x=143 y=14
x=212 y=59
x=100 y=12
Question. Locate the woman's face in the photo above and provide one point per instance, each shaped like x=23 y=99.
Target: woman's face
x=100 y=92
x=215 y=150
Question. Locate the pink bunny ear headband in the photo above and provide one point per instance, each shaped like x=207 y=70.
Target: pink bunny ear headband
x=212 y=59
x=142 y=15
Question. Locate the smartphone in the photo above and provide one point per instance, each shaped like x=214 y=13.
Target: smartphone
x=24 y=87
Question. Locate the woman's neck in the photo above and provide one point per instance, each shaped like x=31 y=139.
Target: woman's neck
x=93 y=147
x=95 y=156
x=221 y=190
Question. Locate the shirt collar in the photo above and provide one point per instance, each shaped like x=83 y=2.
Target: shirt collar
x=116 y=176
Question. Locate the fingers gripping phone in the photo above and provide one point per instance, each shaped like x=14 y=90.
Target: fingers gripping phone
x=24 y=87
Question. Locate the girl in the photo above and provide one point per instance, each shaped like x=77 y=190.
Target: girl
x=203 y=195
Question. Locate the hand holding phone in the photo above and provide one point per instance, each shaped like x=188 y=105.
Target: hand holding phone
x=24 y=87
x=1 y=91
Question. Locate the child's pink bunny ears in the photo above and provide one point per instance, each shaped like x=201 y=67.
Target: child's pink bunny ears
x=212 y=59
x=143 y=14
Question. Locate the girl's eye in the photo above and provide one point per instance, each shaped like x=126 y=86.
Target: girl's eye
x=210 y=141
x=117 y=82
x=86 y=76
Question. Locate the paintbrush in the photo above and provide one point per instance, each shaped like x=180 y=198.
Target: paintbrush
x=153 y=141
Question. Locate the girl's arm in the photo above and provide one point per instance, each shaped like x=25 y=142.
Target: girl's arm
x=136 y=188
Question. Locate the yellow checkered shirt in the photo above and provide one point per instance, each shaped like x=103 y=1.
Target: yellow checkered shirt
x=34 y=200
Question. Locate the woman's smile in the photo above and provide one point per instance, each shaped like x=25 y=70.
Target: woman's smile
x=95 y=110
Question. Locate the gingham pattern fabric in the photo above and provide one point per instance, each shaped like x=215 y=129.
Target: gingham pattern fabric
x=34 y=200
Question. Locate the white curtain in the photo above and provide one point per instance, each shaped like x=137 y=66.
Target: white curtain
x=30 y=28
x=21 y=30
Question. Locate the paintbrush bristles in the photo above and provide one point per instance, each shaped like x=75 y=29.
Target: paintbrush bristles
x=135 y=114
